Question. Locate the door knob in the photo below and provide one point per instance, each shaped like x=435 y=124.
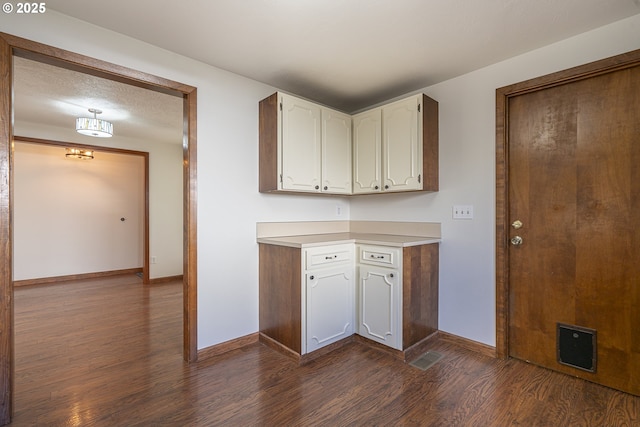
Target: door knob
x=516 y=224
x=516 y=240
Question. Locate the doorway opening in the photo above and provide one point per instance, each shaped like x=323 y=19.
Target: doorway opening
x=11 y=46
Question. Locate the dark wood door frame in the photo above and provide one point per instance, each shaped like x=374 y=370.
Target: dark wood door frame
x=615 y=63
x=11 y=45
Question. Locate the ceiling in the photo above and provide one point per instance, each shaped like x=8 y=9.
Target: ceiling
x=51 y=98
x=347 y=54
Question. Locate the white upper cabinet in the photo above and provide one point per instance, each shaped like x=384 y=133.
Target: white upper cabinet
x=367 y=151
x=402 y=145
x=336 y=152
x=306 y=147
x=388 y=147
x=301 y=144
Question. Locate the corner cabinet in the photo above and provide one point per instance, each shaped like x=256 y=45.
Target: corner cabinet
x=304 y=147
x=395 y=147
x=310 y=298
x=308 y=148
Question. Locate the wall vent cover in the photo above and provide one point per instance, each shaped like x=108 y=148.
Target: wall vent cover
x=576 y=347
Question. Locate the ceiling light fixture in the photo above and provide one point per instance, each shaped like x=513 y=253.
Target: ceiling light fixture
x=79 y=153
x=94 y=126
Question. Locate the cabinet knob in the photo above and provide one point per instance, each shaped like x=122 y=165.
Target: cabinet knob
x=311 y=277
x=376 y=187
x=317 y=187
x=386 y=187
x=326 y=188
x=391 y=275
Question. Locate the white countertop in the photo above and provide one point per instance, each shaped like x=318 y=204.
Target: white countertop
x=311 y=240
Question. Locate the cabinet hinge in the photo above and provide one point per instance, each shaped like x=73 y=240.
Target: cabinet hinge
x=419 y=177
x=281 y=106
x=280 y=178
x=418 y=108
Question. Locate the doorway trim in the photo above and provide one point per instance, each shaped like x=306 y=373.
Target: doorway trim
x=503 y=94
x=11 y=46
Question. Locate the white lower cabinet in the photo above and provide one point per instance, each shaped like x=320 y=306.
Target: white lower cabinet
x=312 y=297
x=379 y=295
x=329 y=296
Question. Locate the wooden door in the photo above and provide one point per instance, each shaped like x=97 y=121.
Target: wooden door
x=574 y=184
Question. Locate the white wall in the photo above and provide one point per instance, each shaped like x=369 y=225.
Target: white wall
x=467 y=174
x=165 y=190
x=229 y=204
x=67 y=212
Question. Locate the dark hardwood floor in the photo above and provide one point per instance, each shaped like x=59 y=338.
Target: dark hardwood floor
x=107 y=352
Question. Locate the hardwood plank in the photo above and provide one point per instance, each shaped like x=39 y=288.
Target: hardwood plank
x=107 y=352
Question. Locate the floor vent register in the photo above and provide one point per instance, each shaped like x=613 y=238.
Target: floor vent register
x=427 y=360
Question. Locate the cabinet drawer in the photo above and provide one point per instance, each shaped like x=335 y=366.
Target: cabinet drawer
x=379 y=255
x=328 y=255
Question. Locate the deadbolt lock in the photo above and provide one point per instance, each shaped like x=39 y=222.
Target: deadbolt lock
x=516 y=224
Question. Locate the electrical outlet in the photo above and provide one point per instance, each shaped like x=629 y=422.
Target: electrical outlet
x=462 y=211
x=338 y=210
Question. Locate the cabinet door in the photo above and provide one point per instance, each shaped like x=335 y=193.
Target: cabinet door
x=300 y=145
x=330 y=306
x=379 y=308
x=402 y=145
x=367 y=151
x=336 y=152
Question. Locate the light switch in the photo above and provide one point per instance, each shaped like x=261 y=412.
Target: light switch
x=462 y=211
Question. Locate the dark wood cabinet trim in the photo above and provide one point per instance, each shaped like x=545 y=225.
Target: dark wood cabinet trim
x=430 y=144
x=419 y=293
x=268 y=144
x=280 y=298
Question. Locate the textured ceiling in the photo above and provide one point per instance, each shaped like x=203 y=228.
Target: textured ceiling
x=51 y=97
